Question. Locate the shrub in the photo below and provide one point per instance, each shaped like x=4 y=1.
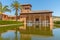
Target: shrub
x=9 y=22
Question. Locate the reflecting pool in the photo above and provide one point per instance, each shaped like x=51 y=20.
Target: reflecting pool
x=30 y=34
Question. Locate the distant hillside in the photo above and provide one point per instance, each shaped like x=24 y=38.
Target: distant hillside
x=56 y=18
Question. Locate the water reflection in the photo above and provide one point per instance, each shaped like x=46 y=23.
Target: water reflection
x=25 y=37
x=33 y=36
x=24 y=34
x=30 y=34
x=13 y=35
x=36 y=31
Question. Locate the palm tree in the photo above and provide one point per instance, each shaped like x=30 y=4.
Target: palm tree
x=16 y=7
x=3 y=9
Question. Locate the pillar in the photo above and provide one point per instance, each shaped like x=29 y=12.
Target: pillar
x=34 y=21
x=51 y=23
x=40 y=22
x=25 y=23
x=45 y=24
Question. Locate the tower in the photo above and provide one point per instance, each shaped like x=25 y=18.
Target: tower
x=25 y=8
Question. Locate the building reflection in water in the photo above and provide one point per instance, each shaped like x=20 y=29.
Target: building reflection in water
x=25 y=37
x=26 y=34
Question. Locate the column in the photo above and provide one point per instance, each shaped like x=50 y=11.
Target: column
x=40 y=22
x=51 y=23
x=25 y=23
x=30 y=21
x=34 y=21
x=45 y=24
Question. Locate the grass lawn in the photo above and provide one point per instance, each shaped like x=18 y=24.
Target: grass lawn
x=4 y=28
x=9 y=22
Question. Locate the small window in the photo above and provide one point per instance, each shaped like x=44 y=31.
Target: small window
x=5 y=16
x=37 y=19
x=26 y=8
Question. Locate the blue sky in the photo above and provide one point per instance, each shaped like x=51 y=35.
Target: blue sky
x=53 y=5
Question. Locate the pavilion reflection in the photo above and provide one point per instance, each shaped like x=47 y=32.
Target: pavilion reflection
x=26 y=34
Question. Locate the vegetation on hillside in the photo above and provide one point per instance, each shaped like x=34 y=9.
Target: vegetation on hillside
x=57 y=22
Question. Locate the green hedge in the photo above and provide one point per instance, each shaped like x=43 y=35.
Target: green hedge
x=57 y=22
x=9 y=22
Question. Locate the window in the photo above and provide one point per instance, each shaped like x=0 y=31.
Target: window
x=26 y=8
x=4 y=16
x=37 y=19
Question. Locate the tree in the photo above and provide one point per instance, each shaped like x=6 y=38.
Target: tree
x=16 y=7
x=3 y=9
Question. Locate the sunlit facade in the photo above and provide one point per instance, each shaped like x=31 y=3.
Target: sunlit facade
x=36 y=19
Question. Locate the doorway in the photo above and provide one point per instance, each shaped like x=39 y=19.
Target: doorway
x=37 y=19
x=37 y=22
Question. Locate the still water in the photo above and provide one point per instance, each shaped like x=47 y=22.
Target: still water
x=17 y=35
